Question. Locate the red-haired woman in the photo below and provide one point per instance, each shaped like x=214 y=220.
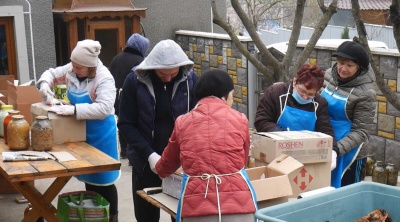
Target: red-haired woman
x=296 y=105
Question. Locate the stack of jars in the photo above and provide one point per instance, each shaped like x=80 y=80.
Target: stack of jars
x=385 y=173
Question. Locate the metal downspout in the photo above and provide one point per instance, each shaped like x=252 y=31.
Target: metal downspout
x=31 y=31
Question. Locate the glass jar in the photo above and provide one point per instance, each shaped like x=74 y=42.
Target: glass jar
x=378 y=173
x=392 y=174
x=18 y=133
x=42 y=134
x=370 y=166
x=3 y=113
x=7 y=120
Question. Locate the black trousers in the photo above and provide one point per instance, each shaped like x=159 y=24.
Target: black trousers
x=108 y=192
x=145 y=211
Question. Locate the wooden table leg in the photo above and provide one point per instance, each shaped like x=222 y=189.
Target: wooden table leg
x=41 y=203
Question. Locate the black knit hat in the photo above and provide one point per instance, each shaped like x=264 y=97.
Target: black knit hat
x=354 y=51
x=213 y=83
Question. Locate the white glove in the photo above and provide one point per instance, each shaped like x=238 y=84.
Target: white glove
x=333 y=163
x=50 y=100
x=66 y=110
x=45 y=90
x=153 y=159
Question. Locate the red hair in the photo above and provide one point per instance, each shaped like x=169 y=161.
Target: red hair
x=312 y=77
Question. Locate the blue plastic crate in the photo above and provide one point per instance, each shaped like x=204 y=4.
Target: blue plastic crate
x=345 y=204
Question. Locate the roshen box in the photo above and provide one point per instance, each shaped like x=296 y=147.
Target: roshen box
x=304 y=146
x=65 y=128
x=310 y=177
x=271 y=183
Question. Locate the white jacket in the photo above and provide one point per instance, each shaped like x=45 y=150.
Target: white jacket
x=101 y=89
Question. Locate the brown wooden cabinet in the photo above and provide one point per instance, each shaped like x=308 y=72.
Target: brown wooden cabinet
x=109 y=22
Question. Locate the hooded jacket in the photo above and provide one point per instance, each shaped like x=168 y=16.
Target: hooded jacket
x=212 y=139
x=360 y=107
x=144 y=121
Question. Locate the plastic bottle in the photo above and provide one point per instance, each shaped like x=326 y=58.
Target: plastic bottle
x=3 y=113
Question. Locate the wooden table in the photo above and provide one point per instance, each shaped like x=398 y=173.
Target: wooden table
x=155 y=202
x=88 y=160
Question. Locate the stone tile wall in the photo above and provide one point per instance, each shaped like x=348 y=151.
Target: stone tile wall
x=384 y=143
x=216 y=51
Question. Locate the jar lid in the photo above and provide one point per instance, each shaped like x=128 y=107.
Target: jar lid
x=6 y=106
x=13 y=112
x=18 y=116
x=41 y=117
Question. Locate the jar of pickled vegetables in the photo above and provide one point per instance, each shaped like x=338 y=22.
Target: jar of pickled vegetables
x=18 y=133
x=42 y=134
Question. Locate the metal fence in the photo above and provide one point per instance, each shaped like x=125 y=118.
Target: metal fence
x=374 y=32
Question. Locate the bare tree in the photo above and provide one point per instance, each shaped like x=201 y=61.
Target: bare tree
x=281 y=71
x=259 y=12
x=395 y=18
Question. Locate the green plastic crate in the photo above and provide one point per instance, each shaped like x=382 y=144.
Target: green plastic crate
x=345 y=204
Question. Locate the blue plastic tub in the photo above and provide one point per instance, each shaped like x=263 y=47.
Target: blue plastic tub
x=345 y=204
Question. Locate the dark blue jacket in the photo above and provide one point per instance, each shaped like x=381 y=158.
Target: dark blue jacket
x=146 y=125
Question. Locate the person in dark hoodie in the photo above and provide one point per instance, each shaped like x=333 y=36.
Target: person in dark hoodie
x=154 y=95
x=121 y=66
x=348 y=88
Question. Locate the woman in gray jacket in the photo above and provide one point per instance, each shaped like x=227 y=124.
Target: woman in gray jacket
x=351 y=103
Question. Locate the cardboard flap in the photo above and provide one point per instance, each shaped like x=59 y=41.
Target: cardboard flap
x=3 y=81
x=274 y=187
x=283 y=164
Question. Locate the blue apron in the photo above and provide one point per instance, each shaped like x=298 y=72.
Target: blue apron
x=296 y=119
x=186 y=178
x=101 y=134
x=341 y=126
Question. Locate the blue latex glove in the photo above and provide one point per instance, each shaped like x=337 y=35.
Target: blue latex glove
x=65 y=110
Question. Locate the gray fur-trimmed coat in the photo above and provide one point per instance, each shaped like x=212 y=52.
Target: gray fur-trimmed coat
x=360 y=108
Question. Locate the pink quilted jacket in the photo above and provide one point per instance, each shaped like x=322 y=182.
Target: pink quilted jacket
x=214 y=139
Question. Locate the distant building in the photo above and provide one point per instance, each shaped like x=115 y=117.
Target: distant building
x=371 y=11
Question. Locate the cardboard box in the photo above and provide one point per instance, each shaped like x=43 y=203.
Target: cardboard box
x=65 y=128
x=304 y=146
x=310 y=177
x=270 y=183
x=3 y=81
x=21 y=97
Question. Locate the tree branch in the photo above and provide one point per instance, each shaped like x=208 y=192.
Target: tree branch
x=380 y=81
x=219 y=21
x=318 y=30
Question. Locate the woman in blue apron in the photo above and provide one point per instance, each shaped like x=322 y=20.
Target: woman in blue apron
x=351 y=104
x=295 y=105
x=212 y=144
x=91 y=93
